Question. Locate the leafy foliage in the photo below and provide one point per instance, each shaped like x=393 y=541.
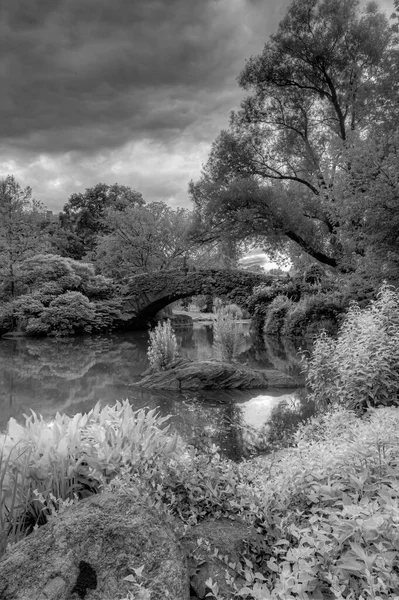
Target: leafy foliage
x=143 y=239
x=329 y=509
x=323 y=514
x=57 y=298
x=162 y=349
x=83 y=216
x=43 y=464
x=312 y=314
x=20 y=219
x=324 y=83
x=275 y=315
x=359 y=368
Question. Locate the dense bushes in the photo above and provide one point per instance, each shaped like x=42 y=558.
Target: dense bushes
x=360 y=368
x=328 y=518
x=276 y=314
x=297 y=306
x=324 y=515
x=311 y=315
x=62 y=297
x=72 y=457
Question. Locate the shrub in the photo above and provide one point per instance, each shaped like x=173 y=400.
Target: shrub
x=43 y=464
x=227 y=332
x=360 y=369
x=275 y=315
x=162 y=349
x=69 y=313
x=328 y=518
x=312 y=314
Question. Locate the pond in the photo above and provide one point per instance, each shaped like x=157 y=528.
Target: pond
x=71 y=375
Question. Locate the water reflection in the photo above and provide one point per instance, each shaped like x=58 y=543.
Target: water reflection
x=71 y=375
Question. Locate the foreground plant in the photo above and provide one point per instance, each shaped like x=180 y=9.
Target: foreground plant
x=324 y=517
x=359 y=369
x=44 y=463
x=162 y=349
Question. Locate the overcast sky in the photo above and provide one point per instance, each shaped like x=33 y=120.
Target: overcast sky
x=126 y=91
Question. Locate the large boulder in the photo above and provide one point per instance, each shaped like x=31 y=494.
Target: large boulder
x=88 y=550
x=187 y=375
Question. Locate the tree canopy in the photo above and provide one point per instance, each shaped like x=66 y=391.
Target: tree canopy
x=322 y=85
x=142 y=239
x=20 y=232
x=83 y=214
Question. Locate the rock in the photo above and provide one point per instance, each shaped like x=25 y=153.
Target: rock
x=88 y=550
x=228 y=538
x=187 y=375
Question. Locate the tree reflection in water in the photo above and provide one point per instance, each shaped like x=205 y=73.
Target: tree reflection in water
x=71 y=375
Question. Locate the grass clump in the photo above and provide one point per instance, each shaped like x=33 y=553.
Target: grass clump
x=227 y=331
x=359 y=369
x=162 y=350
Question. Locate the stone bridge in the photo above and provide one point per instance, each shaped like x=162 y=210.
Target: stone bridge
x=145 y=295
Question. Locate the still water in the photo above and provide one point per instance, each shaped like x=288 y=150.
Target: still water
x=71 y=375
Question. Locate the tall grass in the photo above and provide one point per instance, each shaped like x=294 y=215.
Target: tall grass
x=359 y=369
x=43 y=464
x=227 y=332
x=162 y=350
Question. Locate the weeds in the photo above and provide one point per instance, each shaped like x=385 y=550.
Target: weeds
x=162 y=349
x=359 y=369
x=227 y=332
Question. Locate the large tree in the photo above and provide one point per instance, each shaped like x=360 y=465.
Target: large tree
x=21 y=235
x=318 y=87
x=142 y=239
x=83 y=216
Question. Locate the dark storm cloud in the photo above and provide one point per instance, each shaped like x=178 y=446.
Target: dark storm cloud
x=127 y=91
x=84 y=74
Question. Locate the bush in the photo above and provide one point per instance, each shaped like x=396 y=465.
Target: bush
x=275 y=315
x=69 y=313
x=360 y=368
x=162 y=349
x=43 y=465
x=311 y=315
x=227 y=332
x=329 y=511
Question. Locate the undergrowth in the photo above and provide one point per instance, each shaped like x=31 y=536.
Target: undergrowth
x=359 y=369
x=324 y=515
x=45 y=464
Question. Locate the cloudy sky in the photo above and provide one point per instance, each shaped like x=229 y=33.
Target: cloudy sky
x=126 y=91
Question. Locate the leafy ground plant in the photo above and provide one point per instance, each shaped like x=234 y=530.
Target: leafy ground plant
x=359 y=369
x=44 y=463
x=325 y=515
x=328 y=521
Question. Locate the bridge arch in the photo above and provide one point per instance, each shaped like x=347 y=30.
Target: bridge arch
x=146 y=294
